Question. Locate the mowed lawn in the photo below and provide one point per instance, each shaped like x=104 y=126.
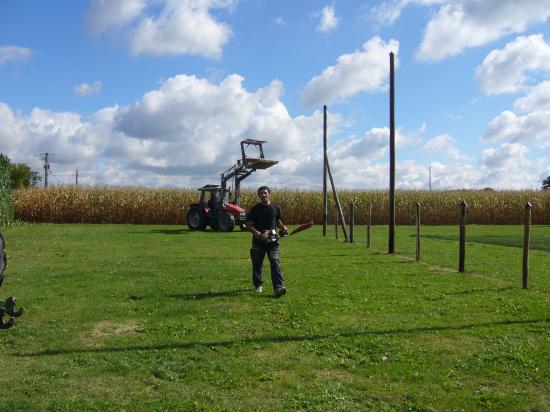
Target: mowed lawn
x=132 y=317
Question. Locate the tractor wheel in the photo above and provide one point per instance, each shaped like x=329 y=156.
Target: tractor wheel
x=196 y=220
x=226 y=222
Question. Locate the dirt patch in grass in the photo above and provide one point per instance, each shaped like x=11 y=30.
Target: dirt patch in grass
x=451 y=344
x=106 y=329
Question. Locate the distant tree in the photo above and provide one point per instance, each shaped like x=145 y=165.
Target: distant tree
x=19 y=175
x=6 y=201
x=546 y=183
x=23 y=176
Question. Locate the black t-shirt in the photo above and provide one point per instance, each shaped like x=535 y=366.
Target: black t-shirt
x=264 y=216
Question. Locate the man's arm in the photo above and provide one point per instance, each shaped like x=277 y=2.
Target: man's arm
x=281 y=226
x=257 y=234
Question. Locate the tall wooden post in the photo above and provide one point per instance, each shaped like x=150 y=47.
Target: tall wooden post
x=462 y=247
x=391 y=240
x=325 y=198
x=417 y=231
x=526 y=242
x=351 y=221
x=336 y=222
x=369 y=224
x=46 y=169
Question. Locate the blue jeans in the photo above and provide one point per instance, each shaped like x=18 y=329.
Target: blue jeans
x=257 y=254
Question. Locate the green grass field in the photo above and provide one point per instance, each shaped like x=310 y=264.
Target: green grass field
x=123 y=317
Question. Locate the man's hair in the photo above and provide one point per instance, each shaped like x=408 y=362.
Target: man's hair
x=264 y=188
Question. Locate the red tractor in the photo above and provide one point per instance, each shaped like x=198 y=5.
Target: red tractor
x=221 y=211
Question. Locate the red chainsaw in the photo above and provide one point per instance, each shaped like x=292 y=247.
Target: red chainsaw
x=273 y=236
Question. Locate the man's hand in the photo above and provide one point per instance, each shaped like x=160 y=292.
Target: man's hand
x=283 y=231
x=261 y=236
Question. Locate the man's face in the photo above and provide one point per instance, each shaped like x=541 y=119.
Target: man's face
x=264 y=196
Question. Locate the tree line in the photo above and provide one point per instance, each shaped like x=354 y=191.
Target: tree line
x=18 y=175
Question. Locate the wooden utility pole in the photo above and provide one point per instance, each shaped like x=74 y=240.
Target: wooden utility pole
x=417 y=231
x=336 y=222
x=325 y=198
x=369 y=224
x=526 y=242
x=76 y=177
x=351 y=221
x=462 y=246
x=391 y=240
x=46 y=169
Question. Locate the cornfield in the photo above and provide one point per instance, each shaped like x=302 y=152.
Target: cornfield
x=69 y=204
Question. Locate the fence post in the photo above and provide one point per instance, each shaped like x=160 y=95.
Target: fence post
x=336 y=216
x=462 y=251
x=417 y=231
x=351 y=221
x=369 y=224
x=325 y=197
x=526 y=241
x=391 y=234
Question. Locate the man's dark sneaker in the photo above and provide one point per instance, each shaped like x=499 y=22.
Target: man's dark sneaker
x=280 y=292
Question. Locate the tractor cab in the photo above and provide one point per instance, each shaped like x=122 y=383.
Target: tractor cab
x=209 y=197
x=213 y=210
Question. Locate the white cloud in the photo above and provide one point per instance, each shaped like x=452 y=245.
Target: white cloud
x=373 y=145
x=361 y=71
x=507 y=167
x=62 y=133
x=455 y=176
x=180 y=27
x=13 y=53
x=192 y=122
x=106 y=14
x=87 y=89
x=187 y=131
x=503 y=167
x=470 y=23
x=538 y=98
x=328 y=19
x=388 y=12
x=446 y=145
x=508 y=127
x=504 y=70
x=280 y=21
x=504 y=157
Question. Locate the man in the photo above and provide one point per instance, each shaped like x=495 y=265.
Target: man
x=262 y=221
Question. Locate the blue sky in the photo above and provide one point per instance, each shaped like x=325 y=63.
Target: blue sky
x=160 y=92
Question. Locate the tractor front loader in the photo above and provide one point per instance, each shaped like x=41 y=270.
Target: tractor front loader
x=219 y=205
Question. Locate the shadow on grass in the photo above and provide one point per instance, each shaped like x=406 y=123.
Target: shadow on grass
x=469 y=292
x=171 y=231
x=536 y=244
x=208 y=295
x=282 y=339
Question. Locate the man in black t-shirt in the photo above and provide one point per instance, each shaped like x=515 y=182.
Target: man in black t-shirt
x=262 y=221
